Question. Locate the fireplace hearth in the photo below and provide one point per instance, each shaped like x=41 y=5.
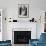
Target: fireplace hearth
x=22 y=37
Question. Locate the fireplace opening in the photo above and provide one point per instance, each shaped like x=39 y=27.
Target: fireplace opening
x=22 y=37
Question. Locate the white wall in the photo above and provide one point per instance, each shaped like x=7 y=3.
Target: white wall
x=40 y=26
x=11 y=3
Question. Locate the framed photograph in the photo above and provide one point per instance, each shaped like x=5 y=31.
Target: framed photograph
x=23 y=10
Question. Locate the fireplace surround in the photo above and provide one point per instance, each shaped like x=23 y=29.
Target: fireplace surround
x=24 y=27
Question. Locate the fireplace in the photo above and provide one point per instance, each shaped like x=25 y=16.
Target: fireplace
x=22 y=37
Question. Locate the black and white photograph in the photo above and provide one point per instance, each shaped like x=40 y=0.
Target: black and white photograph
x=23 y=10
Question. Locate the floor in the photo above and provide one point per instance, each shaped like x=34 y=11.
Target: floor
x=20 y=45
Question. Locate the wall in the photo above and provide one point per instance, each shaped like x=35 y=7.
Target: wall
x=40 y=26
x=12 y=3
x=4 y=24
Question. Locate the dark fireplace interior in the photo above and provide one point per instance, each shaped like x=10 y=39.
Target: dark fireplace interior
x=22 y=37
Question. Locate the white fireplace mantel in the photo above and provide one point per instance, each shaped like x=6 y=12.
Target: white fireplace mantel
x=25 y=27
